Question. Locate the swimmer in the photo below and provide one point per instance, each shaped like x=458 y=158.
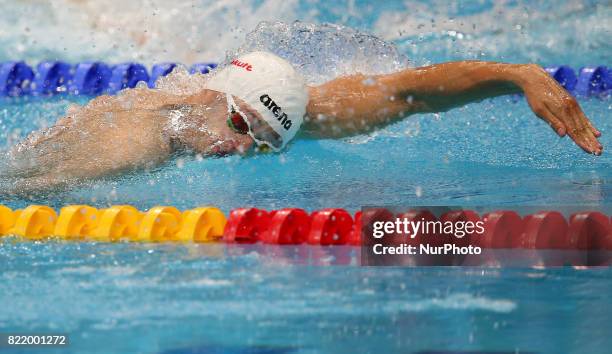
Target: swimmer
x=259 y=103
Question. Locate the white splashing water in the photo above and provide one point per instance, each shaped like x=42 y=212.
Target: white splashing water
x=190 y=31
x=319 y=52
x=148 y=31
x=543 y=32
x=324 y=51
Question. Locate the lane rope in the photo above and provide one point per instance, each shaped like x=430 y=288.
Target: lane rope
x=86 y=78
x=96 y=78
x=504 y=229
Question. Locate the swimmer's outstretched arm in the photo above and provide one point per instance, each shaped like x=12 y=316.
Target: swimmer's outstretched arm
x=108 y=136
x=356 y=104
x=138 y=129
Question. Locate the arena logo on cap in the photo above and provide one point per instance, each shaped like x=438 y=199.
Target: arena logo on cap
x=276 y=110
x=241 y=64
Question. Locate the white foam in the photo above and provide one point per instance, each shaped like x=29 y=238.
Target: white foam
x=148 y=31
x=153 y=31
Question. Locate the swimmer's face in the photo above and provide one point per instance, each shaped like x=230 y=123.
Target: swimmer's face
x=213 y=136
x=229 y=141
x=258 y=126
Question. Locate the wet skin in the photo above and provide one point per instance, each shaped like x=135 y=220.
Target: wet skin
x=143 y=128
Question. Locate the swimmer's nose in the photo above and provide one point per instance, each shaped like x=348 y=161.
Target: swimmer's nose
x=240 y=144
x=244 y=143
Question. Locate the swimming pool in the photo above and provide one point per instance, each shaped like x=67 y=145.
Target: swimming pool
x=251 y=299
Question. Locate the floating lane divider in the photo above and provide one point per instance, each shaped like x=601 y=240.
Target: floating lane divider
x=503 y=229
x=86 y=78
x=117 y=223
x=95 y=78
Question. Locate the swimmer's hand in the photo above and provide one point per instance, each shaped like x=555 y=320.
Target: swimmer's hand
x=558 y=108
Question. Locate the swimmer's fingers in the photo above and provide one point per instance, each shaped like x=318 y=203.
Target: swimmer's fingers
x=553 y=121
x=571 y=125
x=583 y=133
x=595 y=131
x=586 y=140
x=572 y=109
x=547 y=115
x=577 y=125
x=580 y=128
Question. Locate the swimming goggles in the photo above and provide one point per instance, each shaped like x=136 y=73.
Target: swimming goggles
x=260 y=131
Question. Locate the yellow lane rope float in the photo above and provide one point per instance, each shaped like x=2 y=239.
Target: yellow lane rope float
x=119 y=222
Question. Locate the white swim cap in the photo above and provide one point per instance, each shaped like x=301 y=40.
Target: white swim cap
x=270 y=86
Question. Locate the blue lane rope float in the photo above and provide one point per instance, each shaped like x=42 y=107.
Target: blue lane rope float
x=594 y=80
x=15 y=78
x=90 y=78
x=564 y=75
x=95 y=78
x=51 y=77
x=126 y=75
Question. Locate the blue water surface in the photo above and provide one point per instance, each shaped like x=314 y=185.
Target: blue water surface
x=153 y=298
x=267 y=299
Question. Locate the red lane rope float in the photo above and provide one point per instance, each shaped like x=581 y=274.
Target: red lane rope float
x=589 y=230
x=246 y=225
x=287 y=227
x=462 y=216
x=433 y=238
x=330 y=227
x=544 y=230
x=502 y=229
x=370 y=215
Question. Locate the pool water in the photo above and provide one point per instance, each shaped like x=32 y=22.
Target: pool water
x=129 y=298
x=215 y=299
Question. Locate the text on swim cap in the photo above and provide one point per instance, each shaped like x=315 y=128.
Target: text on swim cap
x=242 y=64
x=276 y=110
